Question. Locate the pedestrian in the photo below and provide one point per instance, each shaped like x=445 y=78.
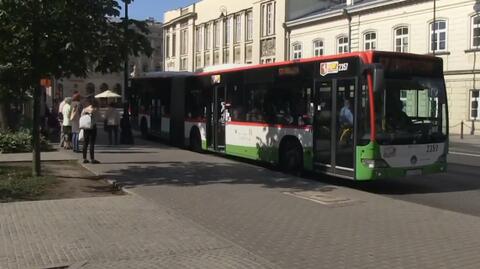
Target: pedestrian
x=90 y=134
x=67 y=123
x=60 y=120
x=112 y=120
x=75 y=118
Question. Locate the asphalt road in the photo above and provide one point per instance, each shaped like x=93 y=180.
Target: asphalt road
x=457 y=190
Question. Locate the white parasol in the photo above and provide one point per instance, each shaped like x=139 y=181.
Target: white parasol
x=108 y=94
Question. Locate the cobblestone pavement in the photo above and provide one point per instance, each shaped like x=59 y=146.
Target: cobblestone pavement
x=261 y=210
x=111 y=232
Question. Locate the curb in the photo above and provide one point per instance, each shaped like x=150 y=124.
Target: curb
x=113 y=182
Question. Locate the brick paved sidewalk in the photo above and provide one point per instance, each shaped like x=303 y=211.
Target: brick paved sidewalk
x=110 y=232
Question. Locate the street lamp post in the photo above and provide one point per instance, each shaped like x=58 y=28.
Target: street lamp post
x=126 y=136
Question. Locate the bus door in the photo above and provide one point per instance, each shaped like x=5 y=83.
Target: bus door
x=333 y=135
x=217 y=119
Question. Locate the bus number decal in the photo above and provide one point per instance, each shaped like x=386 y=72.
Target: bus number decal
x=432 y=148
x=332 y=68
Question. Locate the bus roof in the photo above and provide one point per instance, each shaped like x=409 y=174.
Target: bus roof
x=366 y=56
x=164 y=74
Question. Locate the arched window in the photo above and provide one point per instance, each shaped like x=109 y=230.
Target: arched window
x=401 y=39
x=342 y=45
x=438 y=36
x=296 y=50
x=103 y=87
x=370 y=41
x=117 y=88
x=318 y=47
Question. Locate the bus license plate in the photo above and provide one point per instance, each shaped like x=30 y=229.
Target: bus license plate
x=415 y=172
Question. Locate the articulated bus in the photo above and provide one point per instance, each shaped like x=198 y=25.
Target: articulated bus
x=362 y=116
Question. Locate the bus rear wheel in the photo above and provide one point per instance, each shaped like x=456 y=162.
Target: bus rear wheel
x=291 y=157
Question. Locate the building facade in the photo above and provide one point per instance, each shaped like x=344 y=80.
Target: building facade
x=96 y=83
x=224 y=32
x=403 y=26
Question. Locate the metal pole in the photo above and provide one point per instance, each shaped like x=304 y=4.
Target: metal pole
x=461 y=130
x=36 y=169
x=125 y=73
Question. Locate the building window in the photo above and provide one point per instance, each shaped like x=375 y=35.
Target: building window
x=226 y=31
x=318 y=48
x=208 y=37
x=236 y=55
x=216 y=57
x=167 y=45
x=342 y=45
x=216 y=34
x=248 y=26
x=401 y=39
x=476 y=32
x=474 y=100
x=198 y=34
x=248 y=53
x=183 y=41
x=296 y=51
x=268 y=19
x=226 y=55
x=183 y=63
x=198 y=60
x=370 y=41
x=174 y=45
x=207 y=58
x=438 y=36
x=237 y=31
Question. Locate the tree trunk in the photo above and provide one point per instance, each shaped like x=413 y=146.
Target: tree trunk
x=37 y=94
x=3 y=117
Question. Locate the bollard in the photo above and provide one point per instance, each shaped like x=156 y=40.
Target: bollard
x=472 y=130
x=461 y=130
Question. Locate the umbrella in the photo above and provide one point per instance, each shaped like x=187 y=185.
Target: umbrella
x=107 y=94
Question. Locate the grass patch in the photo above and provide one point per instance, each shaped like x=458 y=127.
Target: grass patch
x=18 y=184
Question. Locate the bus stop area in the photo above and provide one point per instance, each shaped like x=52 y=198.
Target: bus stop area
x=190 y=210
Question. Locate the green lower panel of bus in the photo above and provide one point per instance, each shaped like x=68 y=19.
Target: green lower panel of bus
x=372 y=152
x=266 y=154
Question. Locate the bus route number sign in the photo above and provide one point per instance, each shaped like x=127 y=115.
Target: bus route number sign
x=332 y=68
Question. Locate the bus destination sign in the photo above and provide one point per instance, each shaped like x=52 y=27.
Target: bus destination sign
x=332 y=68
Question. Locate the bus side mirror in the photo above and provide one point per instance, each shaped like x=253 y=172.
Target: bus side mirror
x=378 y=79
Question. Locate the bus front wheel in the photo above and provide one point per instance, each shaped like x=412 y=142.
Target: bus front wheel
x=291 y=157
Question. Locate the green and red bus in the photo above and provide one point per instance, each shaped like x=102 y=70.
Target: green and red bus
x=362 y=116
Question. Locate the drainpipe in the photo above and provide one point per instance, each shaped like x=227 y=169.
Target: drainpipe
x=287 y=41
x=349 y=18
x=193 y=38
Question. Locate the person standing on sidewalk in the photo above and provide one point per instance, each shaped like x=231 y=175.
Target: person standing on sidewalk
x=90 y=134
x=75 y=118
x=67 y=123
x=60 y=120
x=112 y=120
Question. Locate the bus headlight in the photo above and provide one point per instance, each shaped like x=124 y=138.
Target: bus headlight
x=378 y=163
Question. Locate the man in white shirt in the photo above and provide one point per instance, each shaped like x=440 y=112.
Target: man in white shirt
x=60 y=119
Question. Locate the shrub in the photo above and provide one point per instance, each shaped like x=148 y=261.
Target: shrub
x=20 y=141
x=17 y=183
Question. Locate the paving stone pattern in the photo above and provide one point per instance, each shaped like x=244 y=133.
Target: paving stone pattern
x=110 y=232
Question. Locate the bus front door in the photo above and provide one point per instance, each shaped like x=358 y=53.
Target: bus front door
x=334 y=126
x=217 y=124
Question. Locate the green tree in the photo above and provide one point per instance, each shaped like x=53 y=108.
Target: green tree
x=61 y=38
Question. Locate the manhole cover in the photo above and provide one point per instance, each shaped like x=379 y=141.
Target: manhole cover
x=322 y=198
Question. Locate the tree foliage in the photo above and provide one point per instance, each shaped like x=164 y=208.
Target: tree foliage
x=73 y=36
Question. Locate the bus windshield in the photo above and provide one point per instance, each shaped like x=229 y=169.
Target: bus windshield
x=411 y=111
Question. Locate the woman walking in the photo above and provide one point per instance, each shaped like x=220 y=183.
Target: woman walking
x=67 y=123
x=90 y=134
x=75 y=117
x=112 y=120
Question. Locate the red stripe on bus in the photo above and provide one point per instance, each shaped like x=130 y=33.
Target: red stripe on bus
x=259 y=124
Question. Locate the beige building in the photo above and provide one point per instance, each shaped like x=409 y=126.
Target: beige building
x=217 y=32
x=404 y=26
x=96 y=83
